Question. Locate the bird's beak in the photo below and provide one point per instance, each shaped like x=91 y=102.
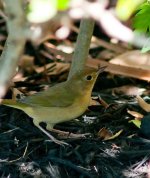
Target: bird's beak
x=101 y=69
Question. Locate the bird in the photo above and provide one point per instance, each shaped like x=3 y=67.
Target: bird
x=62 y=102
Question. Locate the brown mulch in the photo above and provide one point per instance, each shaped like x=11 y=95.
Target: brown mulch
x=26 y=152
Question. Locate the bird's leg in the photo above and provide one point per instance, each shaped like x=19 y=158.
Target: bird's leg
x=66 y=134
x=49 y=135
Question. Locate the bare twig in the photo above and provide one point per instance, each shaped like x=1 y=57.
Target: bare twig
x=82 y=46
x=103 y=43
x=15 y=42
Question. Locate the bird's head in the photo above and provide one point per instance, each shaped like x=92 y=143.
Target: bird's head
x=85 y=80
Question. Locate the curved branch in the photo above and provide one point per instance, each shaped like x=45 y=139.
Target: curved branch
x=14 y=44
x=82 y=46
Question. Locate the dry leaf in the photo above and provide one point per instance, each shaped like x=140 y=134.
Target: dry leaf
x=137 y=120
x=129 y=90
x=54 y=68
x=135 y=114
x=145 y=106
x=143 y=74
x=105 y=134
x=115 y=135
x=133 y=58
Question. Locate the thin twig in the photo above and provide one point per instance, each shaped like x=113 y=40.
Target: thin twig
x=15 y=42
x=82 y=46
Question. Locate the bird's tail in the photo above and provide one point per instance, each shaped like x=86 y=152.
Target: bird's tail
x=14 y=104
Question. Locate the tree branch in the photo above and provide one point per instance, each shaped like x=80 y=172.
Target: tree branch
x=15 y=42
x=82 y=46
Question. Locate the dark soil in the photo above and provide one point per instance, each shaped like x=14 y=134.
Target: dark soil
x=27 y=152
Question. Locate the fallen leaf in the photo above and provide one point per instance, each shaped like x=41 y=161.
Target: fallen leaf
x=105 y=134
x=134 y=59
x=143 y=74
x=129 y=90
x=140 y=73
x=115 y=135
x=144 y=105
x=136 y=122
x=135 y=114
x=53 y=69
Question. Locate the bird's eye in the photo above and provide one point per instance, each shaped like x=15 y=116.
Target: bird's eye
x=89 y=77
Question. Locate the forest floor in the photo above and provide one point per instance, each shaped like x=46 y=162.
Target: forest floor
x=114 y=148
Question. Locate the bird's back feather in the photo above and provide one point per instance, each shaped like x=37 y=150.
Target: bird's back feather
x=56 y=96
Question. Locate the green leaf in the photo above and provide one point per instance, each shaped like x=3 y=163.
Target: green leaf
x=146 y=46
x=141 y=21
x=145 y=49
x=136 y=122
x=125 y=8
x=63 y=4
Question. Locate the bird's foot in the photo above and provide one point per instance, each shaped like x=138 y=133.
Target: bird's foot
x=52 y=138
x=68 y=134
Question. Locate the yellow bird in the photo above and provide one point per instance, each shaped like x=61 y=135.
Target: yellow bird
x=62 y=102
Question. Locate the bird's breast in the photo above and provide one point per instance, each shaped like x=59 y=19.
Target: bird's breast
x=54 y=115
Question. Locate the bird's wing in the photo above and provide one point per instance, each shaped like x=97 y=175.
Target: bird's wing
x=56 y=96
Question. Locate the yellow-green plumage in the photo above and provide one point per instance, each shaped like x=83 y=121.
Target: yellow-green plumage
x=62 y=102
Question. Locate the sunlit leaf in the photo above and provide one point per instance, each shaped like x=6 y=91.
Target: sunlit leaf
x=136 y=122
x=146 y=46
x=144 y=105
x=141 y=21
x=63 y=4
x=125 y=8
